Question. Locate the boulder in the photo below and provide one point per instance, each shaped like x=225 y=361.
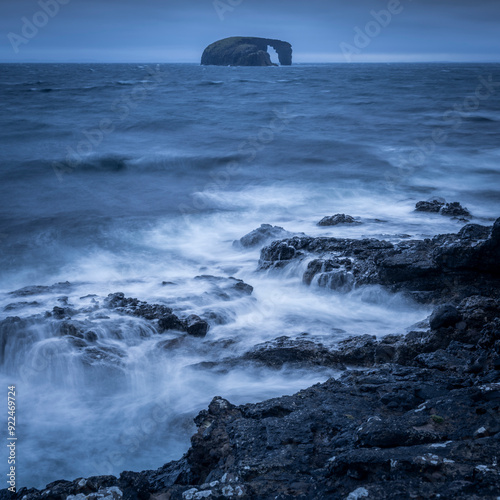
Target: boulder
x=195 y=326
x=443 y=316
x=264 y=234
x=334 y=220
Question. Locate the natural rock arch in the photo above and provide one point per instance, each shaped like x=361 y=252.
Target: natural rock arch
x=246 y=51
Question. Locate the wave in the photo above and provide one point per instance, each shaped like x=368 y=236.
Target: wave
x=112 y=163
x=211 y=82
x=479 y=118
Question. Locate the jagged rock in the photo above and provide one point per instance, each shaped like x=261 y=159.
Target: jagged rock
x=393 y=431
x=225 y=287
x=136 y=307
x=246 y=51
x=61 y=312
x=19 y=305
x=429 y=206
x=244 y=288
x=195 y=326
x=72 y=329
x=462 y=264
x=262 y=235
x=443 y=316
x=334 y=220
x=295 y=352
x=40 y=289
x=453 y=209
x=419 y=420
x=171 y=322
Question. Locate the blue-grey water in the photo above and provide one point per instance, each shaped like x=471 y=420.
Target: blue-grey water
x=122 y=177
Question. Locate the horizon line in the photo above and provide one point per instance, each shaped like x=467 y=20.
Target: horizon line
x=431 y=61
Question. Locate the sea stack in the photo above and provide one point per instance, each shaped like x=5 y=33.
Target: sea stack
x=246 y=51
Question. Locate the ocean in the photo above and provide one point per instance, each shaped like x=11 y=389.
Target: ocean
x=138 y=179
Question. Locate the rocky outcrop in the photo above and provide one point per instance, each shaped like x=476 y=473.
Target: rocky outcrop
x=449 y=265
x=263 y=234
x=453 y=209
x=334 y=220
x=411 y=416
x=246 y=51
x=419 y=421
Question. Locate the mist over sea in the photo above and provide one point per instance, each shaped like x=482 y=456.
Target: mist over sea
x=138 y=178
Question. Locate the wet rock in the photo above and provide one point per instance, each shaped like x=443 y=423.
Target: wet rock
x=115 y=300
x=467 y=262
x=71 y=328
x=136 y=307
x=91 y=336
x=433 y=206
x=196 y=327
x=108 y=356
x=40 y=289
x=325 y=269
x=167 y=320
x=394 y=431
x=294 y=352
x=226 y=288
x=277 y=255
x=262 y=235
x=60 y=312
x=334 y=220
x=455 y=210
x=171 y=322
x=337 y=280
x=444 y=316
x=244 y=288
x=417 y=419
x=20 y=305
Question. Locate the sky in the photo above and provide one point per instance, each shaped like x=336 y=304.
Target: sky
x=320 y=31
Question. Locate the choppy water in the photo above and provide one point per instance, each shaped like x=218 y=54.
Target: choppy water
x=120 y=177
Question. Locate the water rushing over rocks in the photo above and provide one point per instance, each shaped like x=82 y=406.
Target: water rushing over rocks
x=411 y=416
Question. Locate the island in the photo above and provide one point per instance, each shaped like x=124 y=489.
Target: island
x=246 y=51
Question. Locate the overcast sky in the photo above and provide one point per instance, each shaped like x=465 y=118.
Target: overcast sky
x=179 y=30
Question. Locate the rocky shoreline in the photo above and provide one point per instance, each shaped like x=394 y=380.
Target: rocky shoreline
x=412 y=416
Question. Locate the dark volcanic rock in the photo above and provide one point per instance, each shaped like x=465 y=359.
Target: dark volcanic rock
x=449 y=266
x=246 y=51
x=195 y=326
x=333 y=220
x=20 y=305
x=261 y=235
x=443 y=316
x=429 y=206
x=39 y=289
x=419 y=420
x=295 y=352
x=167 y=320
x=453 y=209
x=393 y=431
x=170 y=322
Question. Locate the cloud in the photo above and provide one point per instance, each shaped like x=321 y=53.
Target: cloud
x=174 y=30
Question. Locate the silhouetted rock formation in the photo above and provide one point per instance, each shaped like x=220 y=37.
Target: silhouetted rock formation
x=246 y=51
